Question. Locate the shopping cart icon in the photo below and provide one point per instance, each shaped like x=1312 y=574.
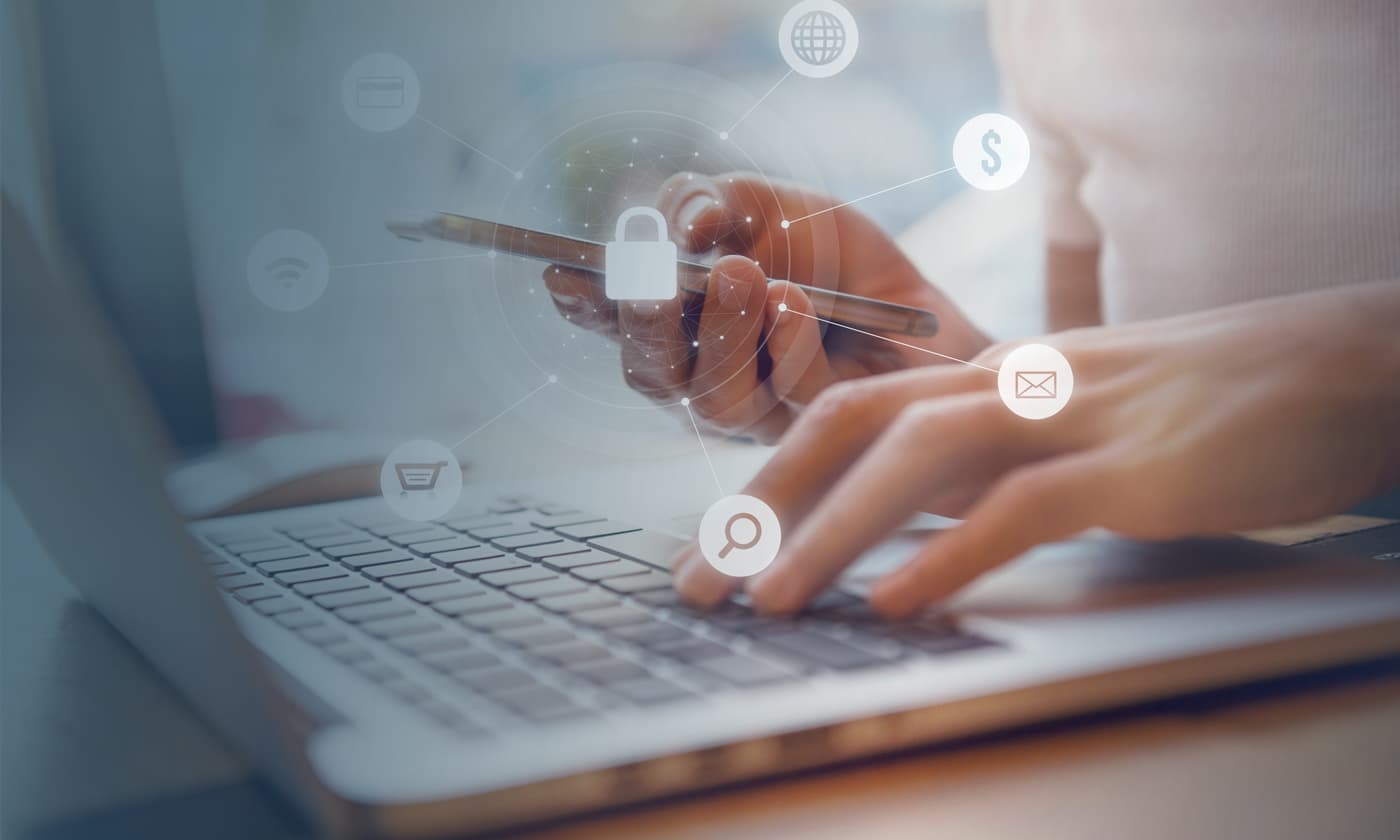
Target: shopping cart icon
x=418 y=477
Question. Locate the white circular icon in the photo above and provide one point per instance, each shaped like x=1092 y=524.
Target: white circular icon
x=287 y=270
x=991 y=151
x=1035 y=381
x=818 y=38
x=740 y=535
x=421 y=480
x=380 y=92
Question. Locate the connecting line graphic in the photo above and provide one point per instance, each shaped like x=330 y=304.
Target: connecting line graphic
x=783 y=307
x=789 y=222
x=518 y=174
x=416 y=260
x=724 y=135
x=507 y=410
x=685 y=402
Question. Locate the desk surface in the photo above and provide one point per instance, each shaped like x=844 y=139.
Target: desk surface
x=96 y=745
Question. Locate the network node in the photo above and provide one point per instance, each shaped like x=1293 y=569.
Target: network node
x=1035 y=381
x=287 y=270
x=554 y=379
x=818 y=38
x=785 y=224
x=724 y=135
x=519 y=175
x=740 y=536
x=991 y=152
x=685 y=401
x=380 y=92
x=421 y=480
x=782 y=307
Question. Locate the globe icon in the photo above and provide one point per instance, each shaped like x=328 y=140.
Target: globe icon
x=818 y=37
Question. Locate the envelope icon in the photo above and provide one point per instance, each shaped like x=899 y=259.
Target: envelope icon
x=1036 y=385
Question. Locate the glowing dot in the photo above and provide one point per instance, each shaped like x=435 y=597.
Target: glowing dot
x=553 y=379
x=741 y=311
x=690 y=176
x=519 y=175
x=634 y=139
x=786 y=224
x=749 y=219
x=685 y=401
x=590 y=189
x=694 y=344
x=724 y=135
x=782 y=307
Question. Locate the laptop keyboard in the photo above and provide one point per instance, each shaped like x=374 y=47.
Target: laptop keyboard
x=527 y=613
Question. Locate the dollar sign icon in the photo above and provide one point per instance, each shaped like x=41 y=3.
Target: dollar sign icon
x=993 y=166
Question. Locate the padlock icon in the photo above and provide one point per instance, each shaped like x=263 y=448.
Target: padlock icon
x=644 y=269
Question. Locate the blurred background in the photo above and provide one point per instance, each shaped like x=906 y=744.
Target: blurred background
x=423 y=338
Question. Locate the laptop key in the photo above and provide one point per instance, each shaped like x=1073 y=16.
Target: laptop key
x=486 y=567
x=579 y=602
x=629 y=584
x=510 y=577
x=321 y=635
x=376 y=671
x=400 y=528
x=559 y=520
x=328 y=585
x=609 y=670
x=432 y=577
x=575 y=559
x=593 y=530
x=509 y=529
x=551 y=549
x=292 y=564
x=821 y=650
x=538 y=702
x=349 y=597
x=478 y=603
x=326 y=572
x=455 y=587
x=616 y=568
x=296 y=619
x=501 y=619
x=389 y=628
x=693 y=650
x=351 y=549
x=466 y=555
x=483 y=520
x=306 y=530
x=376 y=558
x=249 y=546
x=341 y=538
x=273 y=606
x=650 y=547
x=611 y=616
x=426 y=532
x=459 y=659
x=659 y=597
x=547 y=588
x=651 y=633
x=573 y=651
x=535 y=635
x=526 y=540
x=283 y=553
x=648 y=690
x=743 y=670
x=229 y=583
x=494 y=681
x=372 y=612
x=455 y=542
x=437 y=640
x=257 y=592
x=348 y=652
x=402 y=567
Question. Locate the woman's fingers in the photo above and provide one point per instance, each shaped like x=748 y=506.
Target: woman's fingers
x=930 y=444
x=801 y=369
x=1039 y=503
x=725 y=387
x=656 y=348
x=579 y=297
x=822 y=444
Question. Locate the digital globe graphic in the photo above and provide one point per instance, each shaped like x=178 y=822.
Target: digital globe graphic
x=818 y=38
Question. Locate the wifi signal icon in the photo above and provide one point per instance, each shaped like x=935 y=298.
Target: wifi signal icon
x=287 y=270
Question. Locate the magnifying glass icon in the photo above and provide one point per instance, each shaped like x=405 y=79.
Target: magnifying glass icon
x=730 y=543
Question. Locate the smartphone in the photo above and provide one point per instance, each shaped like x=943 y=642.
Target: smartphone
x=854 y=311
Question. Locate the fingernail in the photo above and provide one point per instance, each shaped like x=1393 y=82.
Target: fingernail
x=567 y=301
x=692 y=208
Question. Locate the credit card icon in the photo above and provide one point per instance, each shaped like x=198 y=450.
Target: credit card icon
x=379 y=92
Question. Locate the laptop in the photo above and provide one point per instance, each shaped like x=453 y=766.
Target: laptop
x=524 y=658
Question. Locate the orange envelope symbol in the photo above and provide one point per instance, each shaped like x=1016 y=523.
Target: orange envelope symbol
x=1036 y=385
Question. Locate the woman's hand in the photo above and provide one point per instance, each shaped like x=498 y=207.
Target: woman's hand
x=746 y=369
x=1250 y=416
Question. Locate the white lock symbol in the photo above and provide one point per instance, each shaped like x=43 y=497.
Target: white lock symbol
x=642 y=269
